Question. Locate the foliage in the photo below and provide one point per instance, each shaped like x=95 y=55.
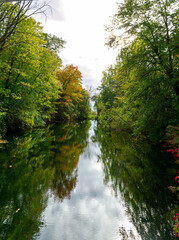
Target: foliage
x=82 y=108
x=172 y=145
x=12 y=14
x=73 y=102
x=93 y=116
x=176 y=226
x=53 y=42
x=31 y=90
x=28 y=82
x=141 y=90
x=172 y=136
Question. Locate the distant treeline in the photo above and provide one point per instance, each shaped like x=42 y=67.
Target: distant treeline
x=34 y=86
x=141 y=90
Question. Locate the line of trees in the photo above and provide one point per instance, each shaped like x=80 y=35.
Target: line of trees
x=141 y=90
x=34 y=86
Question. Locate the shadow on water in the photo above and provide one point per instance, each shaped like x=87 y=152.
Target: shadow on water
x=31 y=164
x=141 y=174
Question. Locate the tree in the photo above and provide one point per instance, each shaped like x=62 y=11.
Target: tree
x=12 y=14
x=28 y=87
x=71 y=81
x=143 y=98
x=82 y=108
x=145 y=81
x=54 y=43
x=105 y=101
x=156 y=23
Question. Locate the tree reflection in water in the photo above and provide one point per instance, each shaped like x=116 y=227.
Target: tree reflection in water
x=31 y=164
x=141 y=174
x=127 y=234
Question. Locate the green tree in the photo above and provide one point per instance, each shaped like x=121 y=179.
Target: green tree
x=28 y=85
x=155 y=22
x=104 y=102
x=145 y=80
x=82 y=108
x=12 y=14
x=54 y=43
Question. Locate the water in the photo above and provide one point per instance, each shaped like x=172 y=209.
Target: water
x=75 y=181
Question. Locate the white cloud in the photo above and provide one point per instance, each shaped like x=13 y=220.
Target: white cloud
x=81 y=24
x=57 y=13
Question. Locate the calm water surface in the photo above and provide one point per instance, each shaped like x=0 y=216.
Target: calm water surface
x=77 y=182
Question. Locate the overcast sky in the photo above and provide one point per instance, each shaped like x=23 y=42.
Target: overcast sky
x=81 y=23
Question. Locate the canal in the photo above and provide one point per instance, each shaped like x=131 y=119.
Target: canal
x=79 y=182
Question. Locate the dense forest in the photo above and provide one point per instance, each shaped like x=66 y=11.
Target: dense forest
x=35 y=87
x=135 y=138
x=140 y=91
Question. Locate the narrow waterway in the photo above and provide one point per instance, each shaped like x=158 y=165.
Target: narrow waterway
x=76 y=182
x=92 y=211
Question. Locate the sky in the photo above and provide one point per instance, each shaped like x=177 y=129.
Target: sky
x=81 y=23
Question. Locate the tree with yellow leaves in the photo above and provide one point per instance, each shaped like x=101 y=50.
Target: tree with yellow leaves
x=72 y=93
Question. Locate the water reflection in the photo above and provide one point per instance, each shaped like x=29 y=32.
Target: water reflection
x=68 y=182
x=92 y=212
x=32 y=164
x=140 y=173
